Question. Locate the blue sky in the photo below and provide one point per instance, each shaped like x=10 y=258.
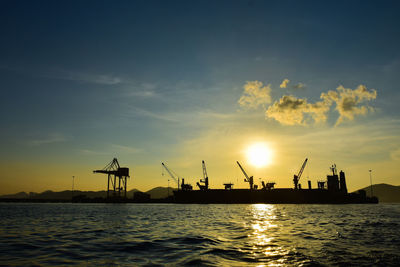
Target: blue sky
x=149 y=81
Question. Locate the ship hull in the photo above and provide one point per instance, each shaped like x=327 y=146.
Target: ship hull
x=274 y=196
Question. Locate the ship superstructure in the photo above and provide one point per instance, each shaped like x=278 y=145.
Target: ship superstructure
x=335 y=191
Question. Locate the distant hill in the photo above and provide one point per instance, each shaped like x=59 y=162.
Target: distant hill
x=19 y=195
x=159 y=192
x=67 y=194
x=384 y=192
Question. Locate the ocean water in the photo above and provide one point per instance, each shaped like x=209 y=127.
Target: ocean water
x=208 y=235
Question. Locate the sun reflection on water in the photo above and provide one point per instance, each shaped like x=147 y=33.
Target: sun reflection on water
x=263 y=232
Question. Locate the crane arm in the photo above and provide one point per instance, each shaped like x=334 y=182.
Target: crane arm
x=113 y=165
x=302 y=168
x=105 y=171
x=204 y=170
x=245 y=174
x=170 y=173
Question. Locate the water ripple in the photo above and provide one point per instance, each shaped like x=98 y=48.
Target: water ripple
x=200 y=235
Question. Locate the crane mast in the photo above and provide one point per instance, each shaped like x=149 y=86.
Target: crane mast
x=247 y=179
x=205 y=178
x=296 y=178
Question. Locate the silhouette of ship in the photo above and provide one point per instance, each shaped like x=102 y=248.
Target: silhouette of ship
x=331 y=191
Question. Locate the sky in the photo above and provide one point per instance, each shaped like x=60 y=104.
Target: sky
x=180 y=82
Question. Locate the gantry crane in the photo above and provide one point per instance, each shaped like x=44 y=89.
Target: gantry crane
x=115 y=173
x=247 y=179
x=296 y=178
x=205 y=180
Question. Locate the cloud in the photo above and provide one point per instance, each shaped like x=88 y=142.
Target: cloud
x=62 y=74
x=350 y=103
x=126 y=149
x=290 y=110
x=54 y=138
x=89 y=78
x=111 y=150
x=299 y=86
x=92 y=152
x=255 y=95
x=159 y=116
x=143 y=94
x=284 y=83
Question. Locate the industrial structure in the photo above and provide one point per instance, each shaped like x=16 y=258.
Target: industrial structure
x=204 y=181
x=297 y=177
x=117 y=178
x=336 y=183
x=177 y=178
x=247 y=179
x=171 y=173
x=334 y=193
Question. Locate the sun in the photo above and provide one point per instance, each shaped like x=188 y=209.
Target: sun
x=259 y=155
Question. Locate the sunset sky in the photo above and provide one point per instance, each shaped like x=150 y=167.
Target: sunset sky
x=184 y=81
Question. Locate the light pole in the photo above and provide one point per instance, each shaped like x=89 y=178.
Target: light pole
x=72 y=192
x=370 y=179
x=168 y=187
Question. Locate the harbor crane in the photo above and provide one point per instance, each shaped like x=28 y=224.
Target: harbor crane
x=171 y=173
x=296 y=178
x=181 y=186
x=116 y=174
x=205 y=180
x=247 y=179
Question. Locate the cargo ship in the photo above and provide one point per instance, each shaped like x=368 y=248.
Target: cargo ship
x=331 y=191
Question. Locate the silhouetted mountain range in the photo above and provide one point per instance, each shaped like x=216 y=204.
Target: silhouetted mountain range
x=155 y=193
x=385 y=193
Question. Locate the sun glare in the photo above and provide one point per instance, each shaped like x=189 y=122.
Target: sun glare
x=259 y=155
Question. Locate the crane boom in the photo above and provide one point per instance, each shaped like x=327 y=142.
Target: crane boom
x=171 y=174
x=244 y=172
x=302 y=168
x=248 y=179
x=204 y=170
x=296 y=178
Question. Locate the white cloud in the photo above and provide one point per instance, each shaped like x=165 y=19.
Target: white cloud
x=284 y=83
x=255 y=95
x=350 y=103
x=290 y=110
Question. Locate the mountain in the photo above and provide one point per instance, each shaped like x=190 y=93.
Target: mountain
x=385 y=192
x=129 y=194
x=19 y=195
x=160 y=192
x=67 y=194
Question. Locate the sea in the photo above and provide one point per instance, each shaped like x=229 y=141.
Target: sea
x=67 y=234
